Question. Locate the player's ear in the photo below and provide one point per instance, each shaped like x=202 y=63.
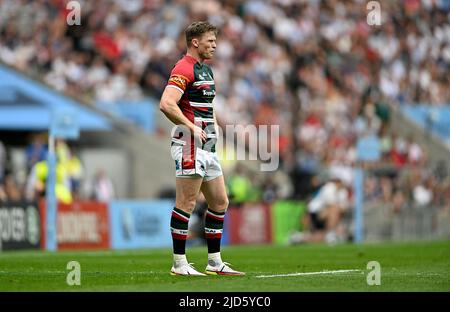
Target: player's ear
x=195 y=42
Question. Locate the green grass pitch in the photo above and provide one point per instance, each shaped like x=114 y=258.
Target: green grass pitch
x=406 y=266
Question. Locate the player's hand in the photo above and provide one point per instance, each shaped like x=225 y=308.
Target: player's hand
x=199 y=133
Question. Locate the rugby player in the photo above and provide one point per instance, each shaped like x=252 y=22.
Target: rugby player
x=187 y=101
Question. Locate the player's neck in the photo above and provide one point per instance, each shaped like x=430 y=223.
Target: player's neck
x=195 y=55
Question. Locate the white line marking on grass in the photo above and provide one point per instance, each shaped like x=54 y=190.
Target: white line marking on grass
x=308 y=273
x=37 y=272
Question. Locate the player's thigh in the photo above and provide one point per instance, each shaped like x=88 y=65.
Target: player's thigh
x=187 y=190
x=215 y=194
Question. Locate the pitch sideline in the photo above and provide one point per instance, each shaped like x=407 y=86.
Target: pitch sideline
x=308 y=273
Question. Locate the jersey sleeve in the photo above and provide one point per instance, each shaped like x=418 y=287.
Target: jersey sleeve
x=180 y=77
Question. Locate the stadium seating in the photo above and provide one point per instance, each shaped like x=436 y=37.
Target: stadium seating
x=325 y=83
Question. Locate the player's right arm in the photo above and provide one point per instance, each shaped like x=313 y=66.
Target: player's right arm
x=169 y=106
x=180 y=77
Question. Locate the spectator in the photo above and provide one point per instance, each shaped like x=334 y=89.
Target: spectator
x=239 y=186
x=299 y=64
x=75 y=171
x=36 y=187
x=422 y=193
x=36 y=151
x=415 y=153
x=325 y=212
x=103 y=188
x=11 y=189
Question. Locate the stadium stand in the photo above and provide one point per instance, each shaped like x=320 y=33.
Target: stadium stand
x=316 y=68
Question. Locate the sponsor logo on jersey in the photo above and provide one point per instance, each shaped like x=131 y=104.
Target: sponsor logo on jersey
x=179 y=80
x=209 y=93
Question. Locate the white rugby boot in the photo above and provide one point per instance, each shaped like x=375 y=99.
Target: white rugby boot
x=185 y=269
x=215 y=267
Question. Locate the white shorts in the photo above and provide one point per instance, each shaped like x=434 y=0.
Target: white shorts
x=205 y=164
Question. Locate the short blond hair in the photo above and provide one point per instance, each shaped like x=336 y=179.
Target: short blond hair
x=197 y=29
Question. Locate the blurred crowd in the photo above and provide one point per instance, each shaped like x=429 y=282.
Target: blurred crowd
x=316 y=68
x=27 y=179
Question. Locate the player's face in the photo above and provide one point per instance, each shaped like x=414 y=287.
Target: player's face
x=207 y=45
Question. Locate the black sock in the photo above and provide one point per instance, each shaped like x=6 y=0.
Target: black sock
x=213 y=229
x=179 y=228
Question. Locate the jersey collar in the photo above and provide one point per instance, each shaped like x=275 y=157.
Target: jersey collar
x=192 y=59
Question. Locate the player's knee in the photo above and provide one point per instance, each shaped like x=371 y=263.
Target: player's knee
x=187 y=205
x=221 y=205
x=226 y=203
